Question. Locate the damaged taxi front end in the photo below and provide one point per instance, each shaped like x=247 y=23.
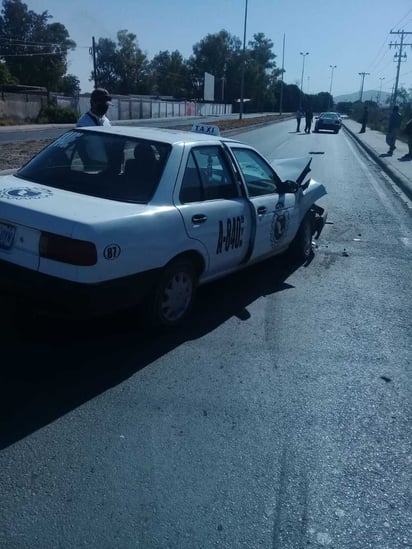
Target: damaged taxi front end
x=292 y=172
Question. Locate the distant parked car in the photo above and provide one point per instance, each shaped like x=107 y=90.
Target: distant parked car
x=328 y=121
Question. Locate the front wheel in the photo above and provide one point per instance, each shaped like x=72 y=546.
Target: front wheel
x=174 y=293
x=301 y=247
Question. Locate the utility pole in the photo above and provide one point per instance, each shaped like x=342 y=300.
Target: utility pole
x=242 y=79
x=281 y=78
x=399 y=56
x=92 y=52
x=332 y=68
x=363 y=74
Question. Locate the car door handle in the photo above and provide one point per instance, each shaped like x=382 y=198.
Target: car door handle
x=199 y=218
x=262 y=210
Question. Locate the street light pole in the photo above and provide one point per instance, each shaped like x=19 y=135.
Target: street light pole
x=303 y=71
x=332 y=67
x=242 y=81
x=380 y=89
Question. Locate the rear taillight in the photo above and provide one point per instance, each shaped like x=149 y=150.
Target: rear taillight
x=67 y=250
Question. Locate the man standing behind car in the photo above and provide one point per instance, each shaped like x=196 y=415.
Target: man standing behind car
x=364 y=119
x=100 y=100
x=393 y=129
x=299 y=115
x=308 y=120
x=408 y=132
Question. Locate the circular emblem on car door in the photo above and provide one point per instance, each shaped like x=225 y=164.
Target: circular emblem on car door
x=279 y=226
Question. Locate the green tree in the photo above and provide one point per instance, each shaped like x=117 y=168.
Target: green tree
x=344 y=107
x=106 y=70
x=69 y=85
x=122 y=68
x=261 y=73
x=218 y=54
x=170 y=75
x=291 y=96
x=320 y=102
x=404 y=97
x=34 y=50
x=5 y=76
x=132 y=65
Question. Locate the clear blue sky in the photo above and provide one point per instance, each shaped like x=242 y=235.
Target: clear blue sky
x=354 y=35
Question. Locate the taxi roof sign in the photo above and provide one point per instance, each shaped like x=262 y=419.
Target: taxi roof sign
x=205 y=128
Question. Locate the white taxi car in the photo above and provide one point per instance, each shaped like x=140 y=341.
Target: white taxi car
x=105 y=217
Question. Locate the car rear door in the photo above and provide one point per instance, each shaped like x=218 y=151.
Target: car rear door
x=213 y=208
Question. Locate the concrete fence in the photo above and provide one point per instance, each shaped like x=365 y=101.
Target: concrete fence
x=25 y=107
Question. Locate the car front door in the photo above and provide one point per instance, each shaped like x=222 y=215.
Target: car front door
x=275 y=213
x=213 y=208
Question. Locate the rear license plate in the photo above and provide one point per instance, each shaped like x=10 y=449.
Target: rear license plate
x=7 y=233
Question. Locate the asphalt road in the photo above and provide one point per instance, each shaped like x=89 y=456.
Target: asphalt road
x=278 y=418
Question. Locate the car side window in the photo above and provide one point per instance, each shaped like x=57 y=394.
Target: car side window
x=258 y=175
x=207 y=176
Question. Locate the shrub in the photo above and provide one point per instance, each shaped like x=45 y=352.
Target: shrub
x=53 y=114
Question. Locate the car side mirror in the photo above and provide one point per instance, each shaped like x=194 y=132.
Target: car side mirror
x=288 y=186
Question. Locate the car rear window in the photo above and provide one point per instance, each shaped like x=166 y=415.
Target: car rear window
x=100 y=164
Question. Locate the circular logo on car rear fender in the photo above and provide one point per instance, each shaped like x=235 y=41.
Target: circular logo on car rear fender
x=112 y=251
x=25 y=193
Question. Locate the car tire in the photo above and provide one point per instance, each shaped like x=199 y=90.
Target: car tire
x=301 y=249
x=173 y=295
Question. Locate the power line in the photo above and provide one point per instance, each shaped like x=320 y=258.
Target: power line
x=400 y=20
x=29 y=54
x=20 y=42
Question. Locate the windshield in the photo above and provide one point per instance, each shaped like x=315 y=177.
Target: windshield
x=100 y=164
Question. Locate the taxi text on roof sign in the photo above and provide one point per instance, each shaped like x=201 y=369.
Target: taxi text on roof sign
x=205 y=128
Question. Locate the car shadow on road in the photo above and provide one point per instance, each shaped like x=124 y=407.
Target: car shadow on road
x=56 y=366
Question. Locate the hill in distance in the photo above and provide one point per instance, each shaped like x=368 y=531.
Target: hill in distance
x=369 y=95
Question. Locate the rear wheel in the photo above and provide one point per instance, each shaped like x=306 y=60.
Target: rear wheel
x=301 y=247
x=174 y=293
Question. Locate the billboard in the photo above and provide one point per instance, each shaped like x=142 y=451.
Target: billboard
x=209 y=87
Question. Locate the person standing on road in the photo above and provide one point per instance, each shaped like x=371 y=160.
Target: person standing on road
x=393 y=129
x=308 y=120
x=408 y=131
x=100 y=100
x=364 y=119
x=299 y=115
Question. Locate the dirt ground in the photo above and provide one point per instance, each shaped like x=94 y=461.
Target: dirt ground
x=14 y=155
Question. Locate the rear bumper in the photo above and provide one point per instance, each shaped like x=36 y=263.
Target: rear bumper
x=329 y=127
x=62 y=297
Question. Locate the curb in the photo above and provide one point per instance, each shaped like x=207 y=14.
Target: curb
x=401 y=181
